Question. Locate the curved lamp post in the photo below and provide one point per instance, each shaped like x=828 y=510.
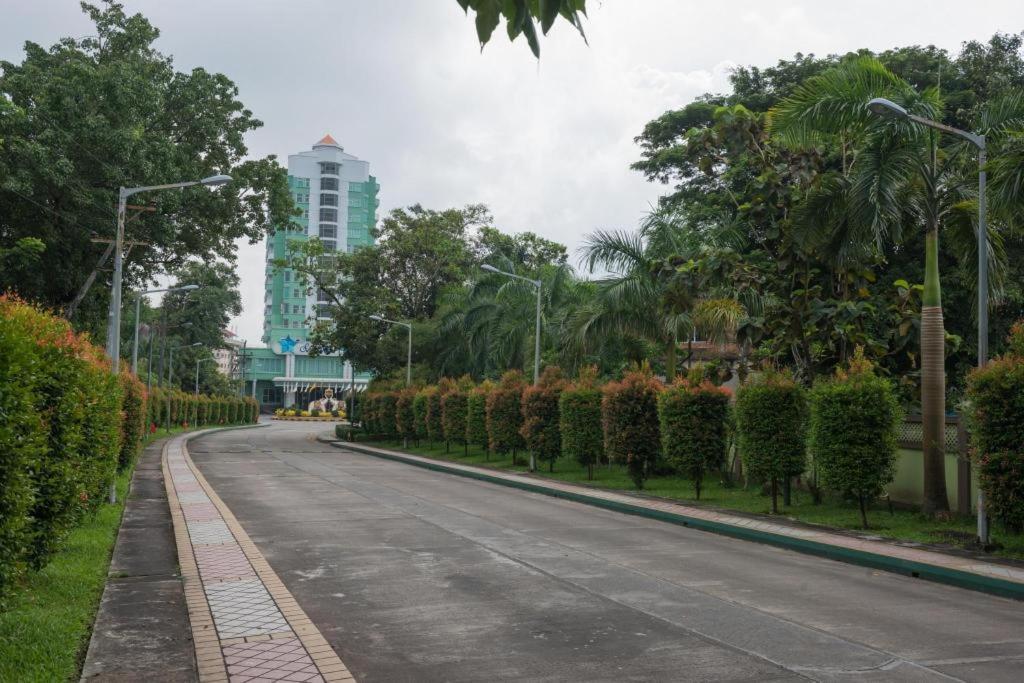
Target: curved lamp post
x=887 y=108
x=536 y=334
x=114 y=312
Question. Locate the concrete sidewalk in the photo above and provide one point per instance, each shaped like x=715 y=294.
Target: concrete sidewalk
x=142 y=630
x=963 y=571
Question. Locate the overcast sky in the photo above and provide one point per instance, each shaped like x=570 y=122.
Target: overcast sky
x=547 y=145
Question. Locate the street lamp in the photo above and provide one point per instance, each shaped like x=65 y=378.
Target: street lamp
x=408 y=362
x=138 y=303
x=114 y=312
x=170 y=374
x=198 y=361
x=536 y=333
x=887 y=108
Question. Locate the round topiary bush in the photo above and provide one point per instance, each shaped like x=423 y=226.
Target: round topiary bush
x=541 y=431
x=504 y=414
x=853 y=429
x=579 y=423
x=693 y=419
x=386 y=414
x=629 y=416
x=771 y=418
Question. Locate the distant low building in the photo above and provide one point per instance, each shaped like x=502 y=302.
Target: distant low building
x=226 y=357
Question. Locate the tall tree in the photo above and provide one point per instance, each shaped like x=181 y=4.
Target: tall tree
x=91 y=114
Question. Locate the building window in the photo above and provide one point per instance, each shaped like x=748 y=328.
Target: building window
x=321 y=295
x=296 y=309
x=329 y=215
x=328 y=199
x=329 y=245
x=287 y=276
x=328 y=230
x=323 y=310
x=296 y=294
x=329 y=184
x=295 y=324
x=329 y=168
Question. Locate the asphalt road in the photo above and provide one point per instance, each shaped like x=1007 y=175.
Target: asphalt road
x=415 y=575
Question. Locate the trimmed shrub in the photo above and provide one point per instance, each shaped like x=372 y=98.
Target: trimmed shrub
x=476 y=415
x=771 y=418
x=693 y=419
x=629 y=416
x=203 y=411
x=995 y=409
x=419 y=415
x=133 y=416
x=505 y=416
x=214 y=411
x=454 y=405
x=432 y=416
x=22 y=441
x=853 y=430
x=541 y=431
x=579 y=410
x=404 y=417
x=386 y=402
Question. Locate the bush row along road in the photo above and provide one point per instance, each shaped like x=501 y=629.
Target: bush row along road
x=415 y=575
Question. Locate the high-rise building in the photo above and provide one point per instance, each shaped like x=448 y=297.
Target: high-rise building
x=338 y=200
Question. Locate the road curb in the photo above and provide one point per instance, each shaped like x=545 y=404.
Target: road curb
x=930 y=572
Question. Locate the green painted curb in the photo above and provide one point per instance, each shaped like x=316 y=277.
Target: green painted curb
x=953 y=577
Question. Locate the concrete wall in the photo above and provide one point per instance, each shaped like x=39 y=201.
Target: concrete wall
x=908 y=485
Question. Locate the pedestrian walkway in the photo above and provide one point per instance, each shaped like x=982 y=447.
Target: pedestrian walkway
x=246 y=626
x=964 y=571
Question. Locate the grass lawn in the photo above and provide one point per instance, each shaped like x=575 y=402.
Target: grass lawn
x=45 y=631
x=833 y=512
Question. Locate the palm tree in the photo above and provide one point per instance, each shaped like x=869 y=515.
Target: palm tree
x=654 y=288
x=894 y=176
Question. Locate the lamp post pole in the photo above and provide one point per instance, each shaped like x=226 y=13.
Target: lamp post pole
x=536 y=334
x=114 y=310
x=138 y=305
x=884 y=107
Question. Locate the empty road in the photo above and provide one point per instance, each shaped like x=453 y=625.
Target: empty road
x=415 y=575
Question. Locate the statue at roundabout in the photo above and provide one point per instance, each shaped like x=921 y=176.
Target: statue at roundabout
x=327 y=404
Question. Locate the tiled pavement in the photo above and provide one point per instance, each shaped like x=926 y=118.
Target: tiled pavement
x=930 y=557
x=246 y=625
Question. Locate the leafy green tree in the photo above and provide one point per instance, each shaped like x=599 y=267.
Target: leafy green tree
x=91 y=114
x=629 y=417
x=895 y=177
x=522 y=17
x=504 y=414
x=476 y=415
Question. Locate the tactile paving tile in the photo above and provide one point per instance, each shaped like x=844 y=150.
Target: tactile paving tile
x=211 y=532
x=270 y=660
x=188 y=497
x=199 y=512
x=222 y=562
x=243 y=608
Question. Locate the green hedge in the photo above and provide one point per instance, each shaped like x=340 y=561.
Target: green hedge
x=579 y=409
x=693 y=419
x=629 y=416
x=419 y=414
x=386 y=414
x=432 y=417
x=504 y=415
x=771 y=418
x=64 y=416
x=133 y=425
x=854 y=421
x=995 y=397
x=541 y=431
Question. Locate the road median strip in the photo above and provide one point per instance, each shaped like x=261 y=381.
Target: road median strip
x=964 y=572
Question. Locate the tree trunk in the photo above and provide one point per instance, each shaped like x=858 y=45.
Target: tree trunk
x=933 y=384
x=775 y=496
x=787 y=491
x=670 y=362
x=863 y=513
x=590 y=471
